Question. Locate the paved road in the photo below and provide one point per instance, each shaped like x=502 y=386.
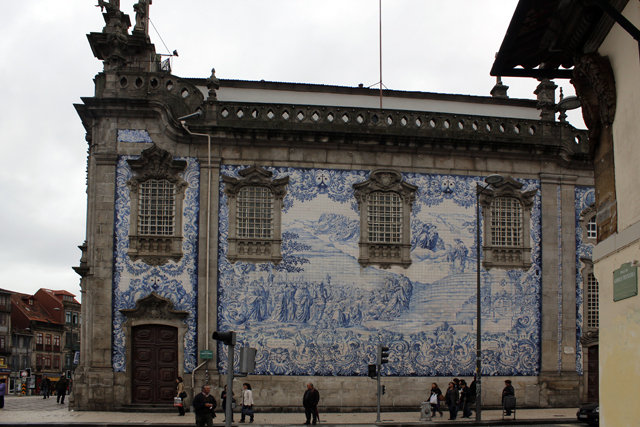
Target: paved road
x=33 y=411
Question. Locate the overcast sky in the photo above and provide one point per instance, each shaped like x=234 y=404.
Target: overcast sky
x=47 y=66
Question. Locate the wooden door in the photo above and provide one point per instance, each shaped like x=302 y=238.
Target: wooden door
x=154 y=364
x=593 y=376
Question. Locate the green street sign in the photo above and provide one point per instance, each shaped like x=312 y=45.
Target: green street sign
x=625 y=282
x=206 y=354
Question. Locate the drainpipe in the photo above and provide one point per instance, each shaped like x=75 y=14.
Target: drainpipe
x=208 y=245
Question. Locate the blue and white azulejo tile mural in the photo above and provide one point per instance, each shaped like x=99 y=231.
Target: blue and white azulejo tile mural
x=174 y=281
x=585 y=197
x=320 y=313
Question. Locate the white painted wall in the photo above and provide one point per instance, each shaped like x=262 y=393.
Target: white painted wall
x=620 y=321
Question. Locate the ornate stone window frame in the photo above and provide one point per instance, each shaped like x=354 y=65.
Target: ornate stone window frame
x=255 y=250
x=385 y=254
x=154 y=310
x=501 y=256
x=157 y=164
x=587 y=215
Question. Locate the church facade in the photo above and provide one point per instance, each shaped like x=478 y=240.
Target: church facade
x=318 y=222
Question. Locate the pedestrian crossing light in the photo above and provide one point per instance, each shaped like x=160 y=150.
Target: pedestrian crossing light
x=373 y=371
x=383 y=355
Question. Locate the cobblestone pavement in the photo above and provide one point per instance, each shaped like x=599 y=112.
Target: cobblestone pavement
x=36 y=410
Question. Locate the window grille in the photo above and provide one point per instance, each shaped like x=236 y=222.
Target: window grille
x=592 y=228
x=592 y=302
x=254 y=214
x=156 y=212
x=384 y=217
x=506 y=222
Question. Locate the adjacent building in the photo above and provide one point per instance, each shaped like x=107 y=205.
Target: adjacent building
x=595 y=44
x=45 y=358
x=66 y=310
x=318 y=222
x=5 y=334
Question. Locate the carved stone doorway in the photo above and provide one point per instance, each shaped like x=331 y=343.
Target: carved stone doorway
x=154 y=364
x=593 y=375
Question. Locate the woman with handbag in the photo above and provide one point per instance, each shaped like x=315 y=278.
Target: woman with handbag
x=247 y=402
x=182 y=394
x=434 y=399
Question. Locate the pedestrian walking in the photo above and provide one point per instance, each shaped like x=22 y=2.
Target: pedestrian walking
x=61 y=389
x=204 y=406
x=247 y=403
x=3 y=391
x=452 y=398
x=464 y=400
x=45 y=384
x=182 y=394
x=507 y=391
x=434 y=399
x=223 y=397
x=310 y=401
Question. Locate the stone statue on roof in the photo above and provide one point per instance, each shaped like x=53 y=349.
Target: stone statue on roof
x=142 y=15
x=213 y=84
x=111 y=5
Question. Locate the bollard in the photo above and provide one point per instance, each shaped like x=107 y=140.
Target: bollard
x=425 y=411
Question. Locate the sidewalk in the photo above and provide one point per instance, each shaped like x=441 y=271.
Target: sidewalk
x=36 y=411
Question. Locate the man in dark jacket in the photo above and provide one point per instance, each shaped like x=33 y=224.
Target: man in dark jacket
x=61 y=389
x=204 y=404
x=310 y=402
x=507 y=391
x=464 y=400
x=45 y=384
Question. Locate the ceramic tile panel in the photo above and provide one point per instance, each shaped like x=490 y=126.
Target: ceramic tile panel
x=134 y=135
x=320 y=313
x=175 y=281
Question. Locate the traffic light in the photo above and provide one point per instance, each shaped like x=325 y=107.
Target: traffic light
x=68 y=374
x=247 y=360
x=383 y=390
x=228 y=338
x=28 y=372
x=383 y=355
x=373 y=371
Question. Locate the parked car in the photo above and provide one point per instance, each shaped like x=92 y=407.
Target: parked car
x=590 y=414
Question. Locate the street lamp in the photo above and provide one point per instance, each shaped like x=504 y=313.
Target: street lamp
x=490 y=180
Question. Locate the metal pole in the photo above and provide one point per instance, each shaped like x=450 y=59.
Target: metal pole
x=378 y=393
x=227 y=410
x=478 y=315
